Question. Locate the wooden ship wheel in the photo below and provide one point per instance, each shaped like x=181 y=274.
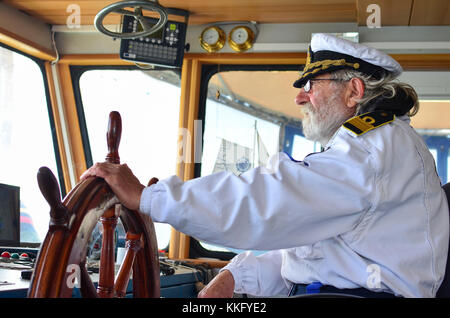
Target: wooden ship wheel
x=63 y=253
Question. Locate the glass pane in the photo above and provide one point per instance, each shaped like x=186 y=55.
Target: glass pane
x=432 y=123
x=302 y=147
x=448 y=168
x=433 y=88
x=25 y=139
x=434 y=154
x=236 y=141
x=148 y=102
x=243 y=117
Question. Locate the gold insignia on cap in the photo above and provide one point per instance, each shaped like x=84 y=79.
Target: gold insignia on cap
x=323 y=65
x=308 y=56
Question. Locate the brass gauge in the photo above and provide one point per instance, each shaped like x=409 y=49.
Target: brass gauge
x=212 y=39
x=241 y=38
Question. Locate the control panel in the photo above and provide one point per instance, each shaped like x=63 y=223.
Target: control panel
x=164 y=47
x=178 y=279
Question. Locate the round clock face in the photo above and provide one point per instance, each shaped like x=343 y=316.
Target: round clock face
x=211 y=36
x=239 y=36
x=212 y=39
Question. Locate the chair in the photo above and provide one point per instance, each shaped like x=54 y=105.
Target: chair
x=444 y=290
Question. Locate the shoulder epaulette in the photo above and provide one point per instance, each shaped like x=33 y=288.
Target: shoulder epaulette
x=368 y=121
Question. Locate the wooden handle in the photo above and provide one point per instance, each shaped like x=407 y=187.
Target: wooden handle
x=133 y=244
x=50 y=190
x=113 y=137
x=152 y=181
x=105 y=287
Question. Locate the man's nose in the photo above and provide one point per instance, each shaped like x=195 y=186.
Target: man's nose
x=302 y=97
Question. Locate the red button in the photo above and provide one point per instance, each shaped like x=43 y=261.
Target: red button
x=6 y=254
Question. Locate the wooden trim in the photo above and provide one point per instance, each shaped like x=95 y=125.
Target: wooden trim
x=192 y=113
x=423 y=62
x=248 y=58
x=184 y=106
x=408 y=61
x=174 y=244
x=190 y=81
x=93 y=59
x=58 y=126
x=71 y=116
x=190 y=85
x=203 y=12
x=393 y=13
x=222 y=58
x=24 y=45
x=175 y=236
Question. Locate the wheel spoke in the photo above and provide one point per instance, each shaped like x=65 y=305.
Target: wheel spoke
x=133 y=245
x=125 y=12
x=105 y=287
x=87 y=288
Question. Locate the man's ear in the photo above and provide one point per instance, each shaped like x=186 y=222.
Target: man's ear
x=354 y=92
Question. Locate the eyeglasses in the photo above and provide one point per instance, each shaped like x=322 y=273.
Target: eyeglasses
x=308 y=85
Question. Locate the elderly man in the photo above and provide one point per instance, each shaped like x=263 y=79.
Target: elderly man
x=365 y=216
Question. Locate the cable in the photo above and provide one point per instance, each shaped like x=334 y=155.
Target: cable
x=55 y=48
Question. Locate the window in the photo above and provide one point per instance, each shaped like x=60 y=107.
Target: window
x=248 y=120
x=448 y=165
x=244 y=107
x=25 y=139
x=233 y=138
x=296 y=145
x=149 y=103
x=439 y=147
x=431 y=122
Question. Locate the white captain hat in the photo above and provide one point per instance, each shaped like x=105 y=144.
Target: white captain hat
x=328 y=53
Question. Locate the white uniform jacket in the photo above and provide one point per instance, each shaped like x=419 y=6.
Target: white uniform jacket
x=367 y=212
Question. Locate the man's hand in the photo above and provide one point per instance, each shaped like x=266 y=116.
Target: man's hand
x=122 y=181
x=221 y=286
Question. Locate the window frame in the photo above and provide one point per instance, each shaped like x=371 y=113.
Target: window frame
x=196 y=250
x=56 y=147
x=442 y=146
x=190 y=90
x=209 y=70
x=51 y=117
x=76 y=71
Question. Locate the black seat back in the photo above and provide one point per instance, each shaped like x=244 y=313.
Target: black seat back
x=444 y=290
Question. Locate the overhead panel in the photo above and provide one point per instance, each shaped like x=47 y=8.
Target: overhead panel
x=391 y=13
x=56 y=12
x=426 y=12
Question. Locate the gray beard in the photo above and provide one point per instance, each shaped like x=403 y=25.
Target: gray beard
x=320 y=126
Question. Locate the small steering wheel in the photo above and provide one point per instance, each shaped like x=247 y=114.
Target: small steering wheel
x=118 y=7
